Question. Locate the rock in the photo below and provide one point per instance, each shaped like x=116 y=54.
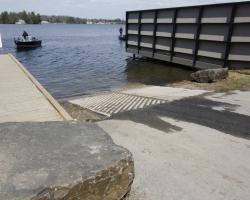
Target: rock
x=62 y=161
x=209 y=75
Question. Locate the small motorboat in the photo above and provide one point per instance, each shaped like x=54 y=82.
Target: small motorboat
x=123 y=37
x=27 y=42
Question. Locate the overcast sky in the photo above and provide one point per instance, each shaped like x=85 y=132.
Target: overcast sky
x=94 y=8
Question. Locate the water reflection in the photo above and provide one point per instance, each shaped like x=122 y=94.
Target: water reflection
x=155 y=73
x=83 y=59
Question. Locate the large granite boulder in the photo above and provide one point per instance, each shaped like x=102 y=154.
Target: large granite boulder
x=209 y=75
x=62 y=161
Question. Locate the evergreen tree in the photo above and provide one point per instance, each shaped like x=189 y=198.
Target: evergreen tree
x=24 y=16
x=5 y=17
x=13 y=18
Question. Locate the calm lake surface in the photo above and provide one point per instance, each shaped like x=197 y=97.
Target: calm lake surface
x=83 y=59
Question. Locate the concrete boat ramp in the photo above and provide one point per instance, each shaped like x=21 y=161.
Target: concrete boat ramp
x=112 y=103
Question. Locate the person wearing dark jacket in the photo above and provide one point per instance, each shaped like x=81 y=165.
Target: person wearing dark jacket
x=121 y=31
x=25 y=35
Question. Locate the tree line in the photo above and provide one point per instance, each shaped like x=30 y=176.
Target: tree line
x=13 y=17
x=33 y=18
x=112 y=21
x=63 y=19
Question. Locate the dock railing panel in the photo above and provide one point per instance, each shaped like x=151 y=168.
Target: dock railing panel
x=215 y=36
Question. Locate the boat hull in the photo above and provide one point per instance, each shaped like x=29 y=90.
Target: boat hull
x=123 y=38
x=29 y=44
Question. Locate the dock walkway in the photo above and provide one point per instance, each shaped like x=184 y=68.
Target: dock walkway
x=22 y=98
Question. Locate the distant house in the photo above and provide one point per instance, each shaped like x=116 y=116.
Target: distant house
x=45 y=22
x=20 y=21
x=89 y=22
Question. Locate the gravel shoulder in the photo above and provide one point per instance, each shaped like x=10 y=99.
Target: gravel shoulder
x=81 y=114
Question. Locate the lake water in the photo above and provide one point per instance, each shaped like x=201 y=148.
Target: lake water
x=83 y=59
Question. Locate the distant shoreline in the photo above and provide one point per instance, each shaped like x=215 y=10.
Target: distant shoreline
x=62 y=24
x=36 y=18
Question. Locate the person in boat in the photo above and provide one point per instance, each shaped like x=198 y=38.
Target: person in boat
x=25 y=35
x=121 y=31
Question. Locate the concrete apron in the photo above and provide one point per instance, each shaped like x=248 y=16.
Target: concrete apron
x=191 y=148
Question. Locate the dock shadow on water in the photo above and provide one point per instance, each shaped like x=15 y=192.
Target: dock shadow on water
x=151 y=72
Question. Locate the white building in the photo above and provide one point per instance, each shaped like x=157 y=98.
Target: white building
x=89 y=22
x=20 y=21
x=45 y=22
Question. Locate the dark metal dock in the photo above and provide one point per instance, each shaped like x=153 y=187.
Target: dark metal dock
x=204 y=36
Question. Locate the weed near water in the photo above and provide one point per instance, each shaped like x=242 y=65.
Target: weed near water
x=235 y=81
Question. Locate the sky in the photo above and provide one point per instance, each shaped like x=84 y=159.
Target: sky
x=108 y=9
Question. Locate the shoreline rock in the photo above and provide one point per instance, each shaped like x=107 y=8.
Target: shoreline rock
x=209 y=75
x=62 y=161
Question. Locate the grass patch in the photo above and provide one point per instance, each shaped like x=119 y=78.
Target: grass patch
x=235 y=81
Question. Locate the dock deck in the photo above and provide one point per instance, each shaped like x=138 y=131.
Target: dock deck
x=22 y=97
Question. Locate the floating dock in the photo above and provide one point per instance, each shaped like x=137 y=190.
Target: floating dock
x=204 y=36
x=23 y=98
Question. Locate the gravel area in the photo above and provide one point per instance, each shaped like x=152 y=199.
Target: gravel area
x=80 y=114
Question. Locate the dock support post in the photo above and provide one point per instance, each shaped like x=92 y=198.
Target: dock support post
x=173 y=35
x=229 y=36
x=197 y=35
